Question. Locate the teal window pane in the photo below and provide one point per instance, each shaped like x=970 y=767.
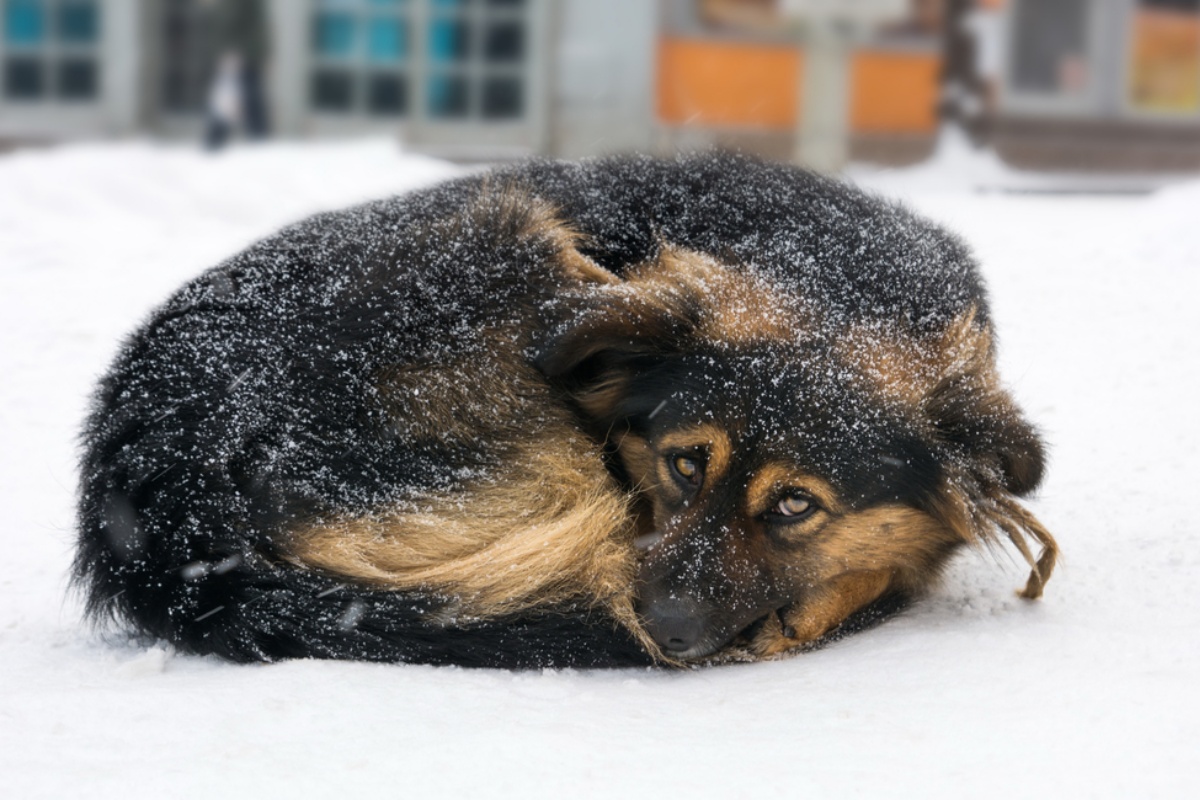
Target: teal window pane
x=387 y=94
x=451 y=5
x=387 y=39
x=388 y=3
x=78 y=21
x=77 y=79
x=447 y=96
x=503 y=98
x=334 y=34
x=333 y=90
x=24 y=21
x=448 y=40
x=504 y=42
x=24 y=78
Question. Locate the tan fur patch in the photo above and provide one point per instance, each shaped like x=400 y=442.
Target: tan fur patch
x=1022 y=523
x=736 y=307
x=552 y=527
x=770 y=480
x=534 y=218
x=976 y=514
x=822 y=611
x=599 y=399
x=908 y=367
x=707 y=438
x=849 y=563
x=640 y=461
x=903 y=540
x=546 y=223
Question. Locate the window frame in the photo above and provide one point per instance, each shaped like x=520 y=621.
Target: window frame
x=419 y=124
x=52 y=53
x=195 y=70
x=1110 y=48
x=1053 y=104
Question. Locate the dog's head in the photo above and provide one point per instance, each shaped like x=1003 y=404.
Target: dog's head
x=775 y=451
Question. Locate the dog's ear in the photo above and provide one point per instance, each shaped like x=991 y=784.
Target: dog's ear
x=972 y=411
x=609 y=334
x=514 y=226
x=1004 y=456
x=989 y=428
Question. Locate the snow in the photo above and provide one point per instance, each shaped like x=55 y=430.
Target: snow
x=958 y=165
x=1093 y=691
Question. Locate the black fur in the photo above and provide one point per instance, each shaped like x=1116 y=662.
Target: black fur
x=246 y=401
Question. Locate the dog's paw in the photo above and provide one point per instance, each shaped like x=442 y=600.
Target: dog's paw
x=784 y=631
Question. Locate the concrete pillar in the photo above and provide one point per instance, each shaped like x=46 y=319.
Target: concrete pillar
x=823 y=143
x=289 y=72
x=122 y=59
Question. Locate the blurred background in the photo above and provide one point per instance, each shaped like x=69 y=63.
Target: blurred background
x=1069 y=85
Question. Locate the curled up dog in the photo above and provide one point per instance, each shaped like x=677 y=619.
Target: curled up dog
x=619 y=412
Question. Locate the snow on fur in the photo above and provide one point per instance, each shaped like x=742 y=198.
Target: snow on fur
x=970 y=692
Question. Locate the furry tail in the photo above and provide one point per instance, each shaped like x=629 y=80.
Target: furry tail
x=180 y=491
x=245 y=608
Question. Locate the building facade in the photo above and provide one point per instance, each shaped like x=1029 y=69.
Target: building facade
x=1066 y=83
x=451 y=76
x=1098 y=83
x=1057 y=84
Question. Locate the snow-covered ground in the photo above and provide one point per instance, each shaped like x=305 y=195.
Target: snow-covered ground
x=1094 y=691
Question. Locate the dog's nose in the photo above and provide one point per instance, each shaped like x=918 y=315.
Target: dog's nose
x=676 y=625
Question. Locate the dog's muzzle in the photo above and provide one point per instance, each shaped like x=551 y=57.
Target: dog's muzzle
x=677 y=625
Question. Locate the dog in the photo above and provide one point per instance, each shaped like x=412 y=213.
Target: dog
x=619 y=412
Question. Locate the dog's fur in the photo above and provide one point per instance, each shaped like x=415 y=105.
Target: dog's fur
x=620 y=412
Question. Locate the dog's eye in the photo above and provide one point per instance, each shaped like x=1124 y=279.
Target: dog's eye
x=794 y=507
x=688 y=469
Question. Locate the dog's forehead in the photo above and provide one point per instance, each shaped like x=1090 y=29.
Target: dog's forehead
x=771 y=390
x=798 y=405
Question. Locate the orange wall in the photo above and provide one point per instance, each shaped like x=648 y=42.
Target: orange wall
x=723 y=83
x=894 y=92
x=715 y=83
x=1164 y=69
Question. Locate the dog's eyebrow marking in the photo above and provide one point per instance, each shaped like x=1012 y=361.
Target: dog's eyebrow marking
x=910 y=368
x=705 y=436
x=768 y=480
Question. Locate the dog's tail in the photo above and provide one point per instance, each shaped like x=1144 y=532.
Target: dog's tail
x=174 y=541
x=243 y=606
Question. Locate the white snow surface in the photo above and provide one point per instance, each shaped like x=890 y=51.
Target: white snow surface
x=1093 y=691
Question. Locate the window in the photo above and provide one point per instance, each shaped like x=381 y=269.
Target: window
x=1051 y=47
x=363 y=57
x=49 y=50
x=438 y=59
x=186 y=71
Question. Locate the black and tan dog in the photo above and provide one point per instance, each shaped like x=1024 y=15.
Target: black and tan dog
x=615 y=412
